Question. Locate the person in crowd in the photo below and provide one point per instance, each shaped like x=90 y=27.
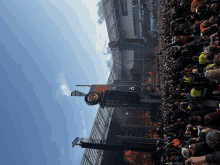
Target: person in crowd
x=189 y=65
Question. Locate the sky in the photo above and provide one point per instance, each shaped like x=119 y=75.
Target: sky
x=46 y=48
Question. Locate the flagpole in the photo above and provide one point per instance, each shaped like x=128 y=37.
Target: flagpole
x=84 y=85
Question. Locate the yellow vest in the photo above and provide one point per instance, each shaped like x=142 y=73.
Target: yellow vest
x=202 y=60
x=210 y=66
x=187 y=79
x=195 y=93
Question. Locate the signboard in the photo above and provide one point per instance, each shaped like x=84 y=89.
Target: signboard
x=100 y=88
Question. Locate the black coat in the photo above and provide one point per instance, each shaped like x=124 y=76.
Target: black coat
x=202 y=149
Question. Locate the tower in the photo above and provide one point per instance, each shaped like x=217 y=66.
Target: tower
x=119 y=94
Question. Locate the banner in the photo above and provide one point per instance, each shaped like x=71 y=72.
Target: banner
x=100 y=88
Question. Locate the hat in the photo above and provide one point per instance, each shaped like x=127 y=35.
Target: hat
x=217 y=20
x=185 y=152
x=182 y=73
x=200 y=8
x=205 y=24
x=172 y=23
x=196 y=26
x=196 y=32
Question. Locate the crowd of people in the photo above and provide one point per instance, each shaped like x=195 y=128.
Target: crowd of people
x=189 y=55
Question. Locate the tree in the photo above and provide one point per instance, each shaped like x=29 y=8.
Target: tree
x=100 y=13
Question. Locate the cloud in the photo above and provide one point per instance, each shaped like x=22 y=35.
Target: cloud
x=107 y=52
x=100 y=13
x=101 y=35
x=64 y=87
x=109 y=64
x=107 y=73
x=84 y=132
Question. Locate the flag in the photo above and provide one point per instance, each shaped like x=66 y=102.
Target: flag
x=77 y=93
